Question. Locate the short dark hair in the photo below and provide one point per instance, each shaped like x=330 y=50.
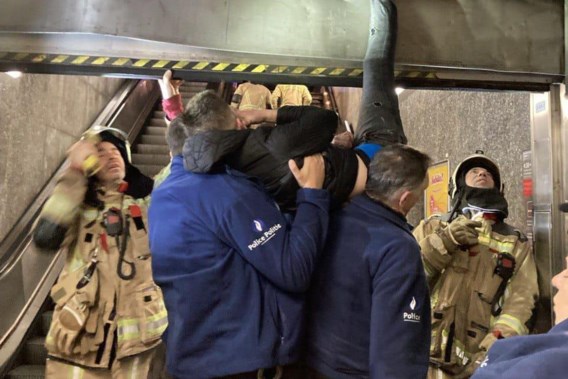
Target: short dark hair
x=204 y=111
x=394 y=168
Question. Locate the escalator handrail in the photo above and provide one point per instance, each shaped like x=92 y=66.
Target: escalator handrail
x=12 y=337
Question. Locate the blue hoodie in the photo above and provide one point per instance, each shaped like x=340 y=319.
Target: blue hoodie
x=232 y=270
x=538 y=356
x=370 y=307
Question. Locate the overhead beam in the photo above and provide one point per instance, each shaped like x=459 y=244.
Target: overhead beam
x=466 y=43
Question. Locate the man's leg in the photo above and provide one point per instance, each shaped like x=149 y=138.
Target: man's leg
x=379 y=116
x=134 y=367
x=60 y=370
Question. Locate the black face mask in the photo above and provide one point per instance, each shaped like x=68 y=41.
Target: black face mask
x=486 y=198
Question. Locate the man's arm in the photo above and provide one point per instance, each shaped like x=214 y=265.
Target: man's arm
x=284 y=254
x=440 y=243
x=59 y=214
x=520 y=295
x=237 y=97
x=171 y=98
x=302 y=131
x=400 y=314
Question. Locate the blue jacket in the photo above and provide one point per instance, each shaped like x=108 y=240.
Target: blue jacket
x=370 y=307
x=528 y=357
x=232 y=270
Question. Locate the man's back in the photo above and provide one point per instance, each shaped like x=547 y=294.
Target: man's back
x=253 y=96
x=369 y=297
x=217 y=247
x=290 y=94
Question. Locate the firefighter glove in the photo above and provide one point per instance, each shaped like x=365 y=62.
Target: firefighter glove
x=460 y=233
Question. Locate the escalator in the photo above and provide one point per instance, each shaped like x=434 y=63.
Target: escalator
x=27 y=274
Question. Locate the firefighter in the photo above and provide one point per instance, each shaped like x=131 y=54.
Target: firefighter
x=481 y=271
x=290 y=94
x=251 y=96
x=109 y=314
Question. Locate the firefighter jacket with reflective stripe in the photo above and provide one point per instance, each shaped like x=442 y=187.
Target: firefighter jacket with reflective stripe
x=290 y=94
x=251 y=96
x=96 y=307
x=463 y=285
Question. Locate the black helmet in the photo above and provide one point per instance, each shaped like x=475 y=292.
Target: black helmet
x=476 y=160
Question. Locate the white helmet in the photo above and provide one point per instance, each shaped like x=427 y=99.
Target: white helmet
x=476 y=160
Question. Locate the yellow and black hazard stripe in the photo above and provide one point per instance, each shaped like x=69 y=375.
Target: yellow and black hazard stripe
x=408 y=76
x=200 y=70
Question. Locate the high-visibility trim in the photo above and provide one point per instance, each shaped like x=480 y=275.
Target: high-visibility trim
x=134 y=370
x=76 y=372
x=128 y=329
x=513 y=323
x=495 y=245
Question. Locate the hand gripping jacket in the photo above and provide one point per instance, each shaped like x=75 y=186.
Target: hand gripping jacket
x=463 y=285
x=94 y=305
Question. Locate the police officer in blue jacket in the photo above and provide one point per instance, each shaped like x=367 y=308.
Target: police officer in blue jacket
x=232 y=269
x=370 y=307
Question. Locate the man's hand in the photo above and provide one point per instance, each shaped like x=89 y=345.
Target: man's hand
x=460 y=233
x=473 y=365
x=169 y=86
x=255 y=116
x=81 y=152
x=312 y=173
x=343 y=140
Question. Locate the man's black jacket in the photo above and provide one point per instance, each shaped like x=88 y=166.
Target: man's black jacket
x=264 y=152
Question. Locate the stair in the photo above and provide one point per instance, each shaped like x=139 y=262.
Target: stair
x=150 y=152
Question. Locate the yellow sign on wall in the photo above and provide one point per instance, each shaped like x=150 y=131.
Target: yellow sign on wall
x=436 y=199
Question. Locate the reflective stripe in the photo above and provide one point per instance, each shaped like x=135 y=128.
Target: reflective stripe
x=76 y=372
x=493 y=244
x=134 y=372
x=157 y=323
x=513 y=323
x=128 y=329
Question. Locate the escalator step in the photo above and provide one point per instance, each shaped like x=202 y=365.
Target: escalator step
x=27 y=372
x=46 y=322
x=158 y=122
x=151 y=159
x=34 y=351
x=153 y=140
x=155 y=130
x=152 y=149
x=159 y=114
